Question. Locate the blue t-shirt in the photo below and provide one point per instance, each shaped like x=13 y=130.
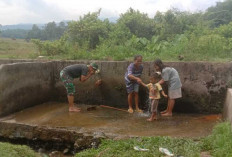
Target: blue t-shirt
x=172 y=77
x=132 y=70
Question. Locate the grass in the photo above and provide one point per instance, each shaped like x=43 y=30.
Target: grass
x=219 y=144
x=20 y=49
x=124 y=148
x=10 y=150
x=16 y=49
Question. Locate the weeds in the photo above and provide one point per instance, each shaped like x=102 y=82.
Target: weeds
x=9 y=150
x=219 y=144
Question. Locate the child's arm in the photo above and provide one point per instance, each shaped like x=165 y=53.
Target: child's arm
x=161 y=81
x=164 y=94
x=161 y=90
x=143 y=84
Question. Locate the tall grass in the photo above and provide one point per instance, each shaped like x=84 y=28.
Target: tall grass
x=17 y=48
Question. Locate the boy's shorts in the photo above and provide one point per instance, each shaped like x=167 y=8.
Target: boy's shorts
x=132 y=87
x=68 y=83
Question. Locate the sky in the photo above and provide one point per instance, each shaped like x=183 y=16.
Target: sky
x=44 y=11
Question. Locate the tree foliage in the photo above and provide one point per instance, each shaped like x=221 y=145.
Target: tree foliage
x=88 y=30
x=220 y=14
x=51 y=31
x=139 y=24
x=14 y=33
x=166 y=35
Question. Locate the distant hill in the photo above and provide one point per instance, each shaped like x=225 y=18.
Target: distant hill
x=41 y=26
x=21 y=26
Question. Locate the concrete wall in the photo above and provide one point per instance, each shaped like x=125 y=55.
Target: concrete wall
x=112 y=91
x=9 y=61
x=24 y=84
x=227 y=112
x=204 y=85
x=28 y=84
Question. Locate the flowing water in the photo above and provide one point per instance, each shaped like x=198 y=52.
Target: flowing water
x=110 y=121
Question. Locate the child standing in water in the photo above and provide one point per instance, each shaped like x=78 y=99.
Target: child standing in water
x=154 y=94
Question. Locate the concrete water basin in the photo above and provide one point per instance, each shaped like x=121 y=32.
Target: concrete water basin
x=113 y=122
x=33 y=106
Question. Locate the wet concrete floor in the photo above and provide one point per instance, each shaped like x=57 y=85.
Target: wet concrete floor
x=110 y=121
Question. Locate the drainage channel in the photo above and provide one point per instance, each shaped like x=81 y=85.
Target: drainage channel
x=48 y=139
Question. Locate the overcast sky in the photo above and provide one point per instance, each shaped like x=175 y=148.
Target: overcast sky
x=44 y=11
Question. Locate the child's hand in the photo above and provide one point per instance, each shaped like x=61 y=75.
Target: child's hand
x=165 y=96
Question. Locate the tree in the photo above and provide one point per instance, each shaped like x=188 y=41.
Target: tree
x=60 y=29
x=14 y=33
x=220 y=14
x=173 y=22
x=34 y=33
x=50 y=31
x=139 y=24
x=88 y=30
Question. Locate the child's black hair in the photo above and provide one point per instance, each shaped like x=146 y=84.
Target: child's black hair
x=156 y=76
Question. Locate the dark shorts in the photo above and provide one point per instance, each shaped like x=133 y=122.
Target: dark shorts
x=68 y=83
x=153 y=105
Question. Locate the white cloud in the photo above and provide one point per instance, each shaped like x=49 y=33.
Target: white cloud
x=44 y=11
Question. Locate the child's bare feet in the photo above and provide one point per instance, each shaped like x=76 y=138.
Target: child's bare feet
x=166 y=114
x=151 y=119
x=130 y=110
x=162 y=112
x=74 y=109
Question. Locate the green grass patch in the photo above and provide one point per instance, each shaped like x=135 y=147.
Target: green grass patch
x=10 y=150
x=219 y=144
x=16 y=49
x=109 y=148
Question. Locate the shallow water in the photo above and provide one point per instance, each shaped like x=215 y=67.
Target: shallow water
x=112 y=121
